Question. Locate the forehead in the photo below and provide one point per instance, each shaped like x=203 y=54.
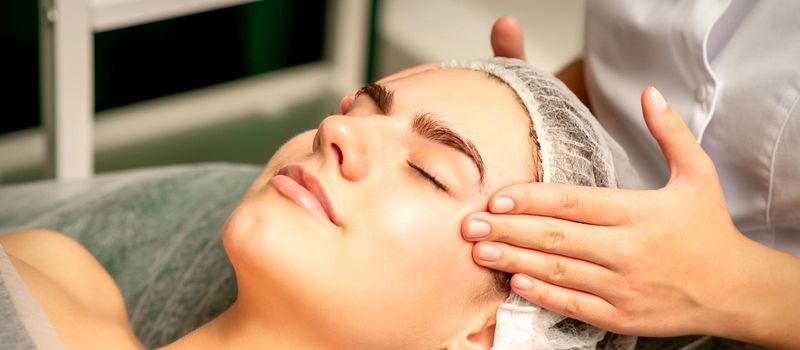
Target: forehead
x=480 y=108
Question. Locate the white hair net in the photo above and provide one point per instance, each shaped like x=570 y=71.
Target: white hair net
x=576 y=150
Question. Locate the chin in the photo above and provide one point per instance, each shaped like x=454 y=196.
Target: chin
x=271 y=242
x=278 y=262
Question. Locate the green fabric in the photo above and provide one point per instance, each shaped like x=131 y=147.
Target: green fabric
x=156 y=231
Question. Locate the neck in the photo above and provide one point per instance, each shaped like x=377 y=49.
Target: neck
x=243 y=327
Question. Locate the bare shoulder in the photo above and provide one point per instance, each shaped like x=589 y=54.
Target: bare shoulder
x=68 y=264
x=68 y=282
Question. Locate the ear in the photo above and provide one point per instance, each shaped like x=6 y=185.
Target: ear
x=477 y=337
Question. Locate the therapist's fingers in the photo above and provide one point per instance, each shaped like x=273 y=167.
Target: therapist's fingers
x=572 y=303
x=590 y=205
x=507 y=38
x=545 y=234
x=551 y=268
x=684 y=155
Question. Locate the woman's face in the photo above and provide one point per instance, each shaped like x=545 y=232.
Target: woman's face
x=389 y=268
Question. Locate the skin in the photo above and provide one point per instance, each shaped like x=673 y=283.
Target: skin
x=304 y=282
x=84 y=318
x=654 y=263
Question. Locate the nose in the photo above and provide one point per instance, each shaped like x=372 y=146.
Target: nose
x=343 y=143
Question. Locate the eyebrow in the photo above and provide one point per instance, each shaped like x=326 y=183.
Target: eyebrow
x=382 y=97
x=431 y=128
x=428 y=126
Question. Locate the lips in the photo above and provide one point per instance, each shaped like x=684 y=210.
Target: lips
x=304 y=189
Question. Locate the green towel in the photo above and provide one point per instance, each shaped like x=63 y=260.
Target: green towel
x=156 y=231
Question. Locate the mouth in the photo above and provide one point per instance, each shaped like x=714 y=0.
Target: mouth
x=305 y=189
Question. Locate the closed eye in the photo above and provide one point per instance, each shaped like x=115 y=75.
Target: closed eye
x=429 y=177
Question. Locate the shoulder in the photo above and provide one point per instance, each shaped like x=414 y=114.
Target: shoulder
x=57 y=260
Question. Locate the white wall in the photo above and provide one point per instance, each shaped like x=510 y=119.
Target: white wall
x=416 y=31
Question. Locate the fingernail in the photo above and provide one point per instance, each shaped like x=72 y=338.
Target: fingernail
x=488 y=252
x=657 y=99
x=477 y=229
x=521 y=282
x=502 y=205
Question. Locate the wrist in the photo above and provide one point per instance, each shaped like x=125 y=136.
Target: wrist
x=731 y=288
x=755 y=300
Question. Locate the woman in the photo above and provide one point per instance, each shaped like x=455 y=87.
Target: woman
x=342 y=216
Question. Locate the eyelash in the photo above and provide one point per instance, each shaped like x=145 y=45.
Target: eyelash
x=429 y=177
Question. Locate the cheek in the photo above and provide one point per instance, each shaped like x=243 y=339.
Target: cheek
x=295 y=149
x=415 y=257
x=414 y=221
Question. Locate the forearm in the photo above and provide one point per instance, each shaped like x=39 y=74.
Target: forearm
x=764 y=307
x=572 y=76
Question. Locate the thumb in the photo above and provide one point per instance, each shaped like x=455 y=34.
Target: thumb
x=507 y=38
x=684 y=155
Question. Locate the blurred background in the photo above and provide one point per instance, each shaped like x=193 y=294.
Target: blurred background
x=233 y=80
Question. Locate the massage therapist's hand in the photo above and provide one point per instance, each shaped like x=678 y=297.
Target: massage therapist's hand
x=652 y=263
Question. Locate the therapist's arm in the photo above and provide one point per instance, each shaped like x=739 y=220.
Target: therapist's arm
x=665 y=262
x=508 y=41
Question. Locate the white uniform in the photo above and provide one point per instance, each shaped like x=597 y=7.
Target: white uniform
x=731 y=69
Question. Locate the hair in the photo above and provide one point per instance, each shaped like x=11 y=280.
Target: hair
x=502 y=280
